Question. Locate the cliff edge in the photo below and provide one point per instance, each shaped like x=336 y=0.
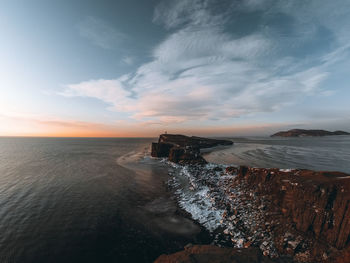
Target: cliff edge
x=184 y=149
x=286 y=215
x=214 y=254
x=307 y=211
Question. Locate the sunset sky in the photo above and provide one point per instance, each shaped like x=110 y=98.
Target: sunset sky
x=137 y=68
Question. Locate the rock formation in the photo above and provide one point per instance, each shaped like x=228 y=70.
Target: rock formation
x=214 y=254
x=183 y=149
x=284 y=214
x=307 y=211
x=288 y=215
x=304 y=133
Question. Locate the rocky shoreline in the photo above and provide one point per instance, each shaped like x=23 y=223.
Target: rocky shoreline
x=284 y=215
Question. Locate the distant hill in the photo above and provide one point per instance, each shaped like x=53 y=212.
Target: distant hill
x=304 y=133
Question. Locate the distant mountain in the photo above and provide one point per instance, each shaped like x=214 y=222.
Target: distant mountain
x=303 y=133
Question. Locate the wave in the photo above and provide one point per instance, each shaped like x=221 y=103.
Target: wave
x=205 y=192
x=331 y=155
x=134 y=156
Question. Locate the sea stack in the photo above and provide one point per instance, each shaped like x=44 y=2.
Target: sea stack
x=184 y=149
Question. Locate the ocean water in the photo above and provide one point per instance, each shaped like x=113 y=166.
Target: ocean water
x=106 y=200
x=87 y=200
x=329 y=153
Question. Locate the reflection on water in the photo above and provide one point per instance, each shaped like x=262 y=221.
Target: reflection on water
x=74 y=200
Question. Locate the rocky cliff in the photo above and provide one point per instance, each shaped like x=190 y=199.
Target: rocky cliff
x=304 y=133
x=300 y=215
x=308 y=212
x=183 y=149
x=214 y=254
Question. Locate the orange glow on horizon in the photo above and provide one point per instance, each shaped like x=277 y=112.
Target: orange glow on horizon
x=35 y=127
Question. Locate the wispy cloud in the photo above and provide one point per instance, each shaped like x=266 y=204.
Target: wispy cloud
x=100 y=33
x=110 y=91
x=128 y=60
x=209 y=68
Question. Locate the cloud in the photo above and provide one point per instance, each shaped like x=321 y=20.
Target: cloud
x=173 y=14
x=112 y=92
x=128 y=60
x=100 y=33
x=204 y=70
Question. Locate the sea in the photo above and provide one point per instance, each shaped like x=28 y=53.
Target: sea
x=107 y=200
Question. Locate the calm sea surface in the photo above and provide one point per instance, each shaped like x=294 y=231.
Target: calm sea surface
x=105 y=200
x=330 y=153
x=68 y=200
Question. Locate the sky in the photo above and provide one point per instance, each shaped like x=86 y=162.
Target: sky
x=130 y=68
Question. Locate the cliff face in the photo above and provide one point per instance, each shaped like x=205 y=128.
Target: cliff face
x=313 y=205
x=184 y=149
x=298 y=215
x=199 y=142
x=213 y=254
x=301 y=215
x=302 y=133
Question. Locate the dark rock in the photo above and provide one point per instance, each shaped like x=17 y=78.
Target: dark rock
x=194 y=142
x=192 y=159
x=161 y=149
x=183 y=149
x=176 y=153
x=214 y=254
x=217 y=169
x=315 y=206
x=302 y=133
x=231 y=170
x=183 y=156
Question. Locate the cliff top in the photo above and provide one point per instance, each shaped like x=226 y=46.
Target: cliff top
x=183 y=141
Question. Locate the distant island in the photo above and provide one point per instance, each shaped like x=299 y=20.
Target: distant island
x=305 y=133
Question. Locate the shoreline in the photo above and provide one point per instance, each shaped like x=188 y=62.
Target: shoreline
x=251 y=217
x=165 y=208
